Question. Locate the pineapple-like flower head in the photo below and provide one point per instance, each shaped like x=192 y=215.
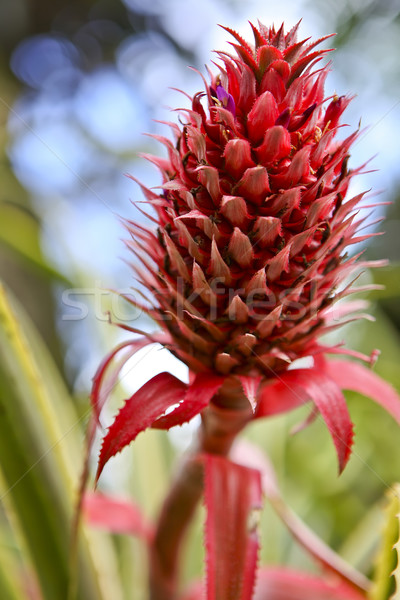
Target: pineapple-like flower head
x=247 y=248
x=252 y=229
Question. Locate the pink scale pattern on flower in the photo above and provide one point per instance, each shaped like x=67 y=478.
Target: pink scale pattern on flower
x=253 y=225
x=247 y=248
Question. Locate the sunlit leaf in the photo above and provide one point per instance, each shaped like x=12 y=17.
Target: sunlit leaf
x=197 y=397
x=139 y=412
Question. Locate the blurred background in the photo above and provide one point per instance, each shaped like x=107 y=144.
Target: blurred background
x=80 y=82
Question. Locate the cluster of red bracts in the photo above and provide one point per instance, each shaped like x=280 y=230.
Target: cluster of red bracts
x=233 y=494
x=321 y=385
x=247 y=257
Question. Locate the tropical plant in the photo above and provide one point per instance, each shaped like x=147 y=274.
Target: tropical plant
x=250 y=245
x=246 y=256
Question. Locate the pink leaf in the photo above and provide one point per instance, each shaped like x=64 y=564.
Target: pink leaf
x=233 y=498
x=139 y=412
x=115 y=515
x=194 y=592
x=101 y=386
x=297 y=386
x=104 y=379
x=248 y=454
x=280 y=396
x=279 y=583
x=197 y=397
x=250 y=387
x=356 y=377
x=330 y=402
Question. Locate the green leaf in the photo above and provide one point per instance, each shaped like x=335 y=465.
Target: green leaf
x=387 y=573
x=40 y=461
x=396 y=547
x=10 y=581
x=390 y=278
x=20 y=231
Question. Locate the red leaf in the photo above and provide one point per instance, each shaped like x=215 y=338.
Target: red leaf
x=101 y=387
x=297 y=386
x=279 y=583
x=250 y=387
x=139 y=412
x=115 y=515
x=280 y=396
x=197 y=397
x=233 y=497
x=247 y=454
x=194 y=592
x=239 y=39
x=356 y=377
x=331 y=403
x=284 y=584
x=104 y=380
x=302 y=63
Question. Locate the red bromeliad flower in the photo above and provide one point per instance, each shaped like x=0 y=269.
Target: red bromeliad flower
x=248 y=251
x=243 y=262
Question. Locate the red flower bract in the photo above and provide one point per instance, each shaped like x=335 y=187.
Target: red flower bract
x=252 y=224
x=247 y=252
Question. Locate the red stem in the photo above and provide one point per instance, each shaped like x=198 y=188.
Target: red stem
x=223 y=419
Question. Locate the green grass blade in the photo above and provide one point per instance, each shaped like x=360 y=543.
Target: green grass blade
x=387 y=573
x=40 y=459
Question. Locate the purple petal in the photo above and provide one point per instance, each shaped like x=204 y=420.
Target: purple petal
x=226 y=99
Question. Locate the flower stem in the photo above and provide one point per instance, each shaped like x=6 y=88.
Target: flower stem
x=176 y=514
x=223 y=419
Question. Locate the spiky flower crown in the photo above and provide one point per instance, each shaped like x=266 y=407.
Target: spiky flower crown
x=247 y=251
x=252 y=226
